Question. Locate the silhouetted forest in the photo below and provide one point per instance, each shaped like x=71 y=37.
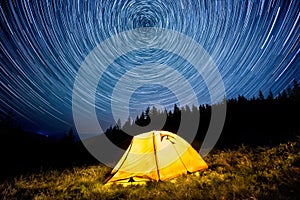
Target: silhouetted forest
x=257 y=121
x=261 y=120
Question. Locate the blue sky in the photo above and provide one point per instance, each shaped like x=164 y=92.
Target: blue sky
x=255 y=45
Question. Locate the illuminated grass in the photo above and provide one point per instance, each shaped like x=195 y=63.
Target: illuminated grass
x=245 y=173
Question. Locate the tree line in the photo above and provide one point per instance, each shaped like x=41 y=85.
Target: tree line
x=261 y=120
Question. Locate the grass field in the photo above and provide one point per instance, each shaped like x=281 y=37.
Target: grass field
x=241 y=173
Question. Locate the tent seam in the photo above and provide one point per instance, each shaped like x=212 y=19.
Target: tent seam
x=155 y=155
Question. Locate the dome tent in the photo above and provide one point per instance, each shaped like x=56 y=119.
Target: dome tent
x=156 y=156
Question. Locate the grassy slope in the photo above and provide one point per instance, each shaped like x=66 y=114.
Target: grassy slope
x=244 y=173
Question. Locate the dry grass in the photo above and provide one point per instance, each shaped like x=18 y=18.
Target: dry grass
x=245 y=173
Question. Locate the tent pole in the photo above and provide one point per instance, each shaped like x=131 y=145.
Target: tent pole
x=128 y=150
x=155 y=155
x=179 y=157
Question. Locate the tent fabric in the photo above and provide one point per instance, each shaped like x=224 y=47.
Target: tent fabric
x=156 y=156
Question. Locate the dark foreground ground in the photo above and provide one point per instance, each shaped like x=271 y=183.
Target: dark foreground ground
x=238 y=173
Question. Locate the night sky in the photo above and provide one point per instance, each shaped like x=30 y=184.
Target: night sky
x=254 y=44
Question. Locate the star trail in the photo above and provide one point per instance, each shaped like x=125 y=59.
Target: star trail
x=254 y=44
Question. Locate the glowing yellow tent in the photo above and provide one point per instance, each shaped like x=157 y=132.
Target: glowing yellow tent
x=156 y=156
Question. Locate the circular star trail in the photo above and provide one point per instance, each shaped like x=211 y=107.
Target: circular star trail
x=254 y=44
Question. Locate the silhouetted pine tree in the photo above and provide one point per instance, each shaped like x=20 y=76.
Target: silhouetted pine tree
x=270 y=96
x=261 y=96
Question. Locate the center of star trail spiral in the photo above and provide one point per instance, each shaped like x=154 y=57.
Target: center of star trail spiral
x=255 y=45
